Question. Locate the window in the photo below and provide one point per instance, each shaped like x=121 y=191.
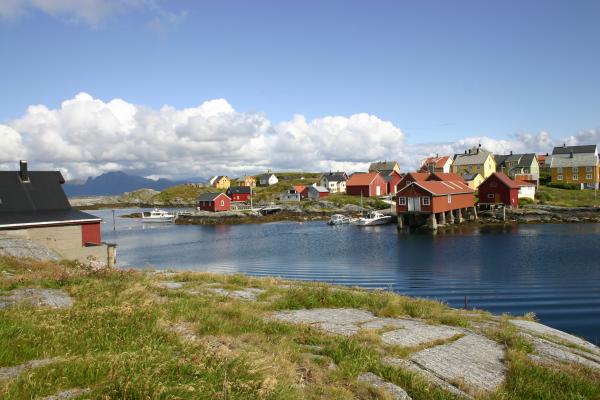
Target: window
x=449 y=198
x=490 y=195
x=559 y=170
x=588 y=169
x=559 y=177
x=426 y=200
x=575 y=177
x=587 y=176
x=401 y=201
x=222 y=203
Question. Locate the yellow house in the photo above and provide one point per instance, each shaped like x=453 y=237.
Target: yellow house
x=577 y=165
x=473 y=180
x=474 y=161
x=248 y=181
x=220 y=182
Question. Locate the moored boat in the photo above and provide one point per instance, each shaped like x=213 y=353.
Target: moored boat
x=339 y=219
x=157 y=215
x=373 y=218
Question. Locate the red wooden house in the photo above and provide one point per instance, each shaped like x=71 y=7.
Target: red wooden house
x=214 y=202
x=392 y=179
x=445 y=176
x=412 y=177
x=239 y=193
x=314 y=192
x=371 y=184
x=499 y=189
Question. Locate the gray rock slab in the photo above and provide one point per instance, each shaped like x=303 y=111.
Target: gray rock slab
x=52 y=298
x=380 y=323
x=7 y=373
x=540 y=329
x=338 y=329
x=335 y=316
x=414 y=333
x=244 y=294
x=169 y=285
x=68 y=394
x=25 y=248
x=394 y=391
x=428 y=376
x=472 y=359
x=555 y=352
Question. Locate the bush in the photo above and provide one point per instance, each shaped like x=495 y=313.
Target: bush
x=567 y=186
x=525 y=201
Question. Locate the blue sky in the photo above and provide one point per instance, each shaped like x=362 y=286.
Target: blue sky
x=438 y=70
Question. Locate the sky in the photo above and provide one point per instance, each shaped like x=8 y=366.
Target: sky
x=195 y=88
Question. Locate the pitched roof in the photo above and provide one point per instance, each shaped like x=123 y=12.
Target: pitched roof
x=509 y=183
x=210 y=196
x=445 y=176
x=523 y=160
x=475 y=157
x=299 y=188
x=40 y=201
x=439 y=162
x=469 y=177
x=239 y=190
x=319 y=189
x=442 y=188
x=334 y=176
x=382 y=166
x=362 y=179
x=266 y=176
x=578 y=160
x=589 y=148
x=417 y=176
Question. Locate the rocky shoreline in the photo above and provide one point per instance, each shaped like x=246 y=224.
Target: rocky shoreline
x=542 y=214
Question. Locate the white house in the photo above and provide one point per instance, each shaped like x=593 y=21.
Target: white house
x=526 y=190
x=267 y=180
x=334 y=182
x=292 y=195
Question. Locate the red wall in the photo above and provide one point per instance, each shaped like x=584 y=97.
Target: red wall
x=357 y=190
x=215 y=206
x=241 y=197
x=508 y=196
x=438 y=203
x=90 y=233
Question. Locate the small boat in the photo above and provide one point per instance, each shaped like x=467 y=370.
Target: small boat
x=157 y=215
x=373 y=218
x=339 y=219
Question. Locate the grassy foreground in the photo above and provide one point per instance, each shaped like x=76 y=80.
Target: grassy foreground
x=567 y=198
x=126 y=338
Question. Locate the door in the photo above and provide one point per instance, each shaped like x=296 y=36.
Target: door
x=378 y=190
x=498 y=199
x=414 y=203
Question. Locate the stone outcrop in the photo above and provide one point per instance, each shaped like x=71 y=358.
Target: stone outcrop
x=37 y=297
x=394 y=391
x=24 y=248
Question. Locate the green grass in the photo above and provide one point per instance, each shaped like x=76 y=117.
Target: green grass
x=123 y=339
x=566 y=197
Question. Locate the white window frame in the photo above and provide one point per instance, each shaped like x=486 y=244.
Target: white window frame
x=559 y=177
x=491 y=196
x=401 y=201
x=426 y=200
x=222 y=203
x=449 y=199
x=575 y=177
x=589 y=176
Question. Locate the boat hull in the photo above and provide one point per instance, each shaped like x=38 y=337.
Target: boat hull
x=379 y=221
x=158 y=220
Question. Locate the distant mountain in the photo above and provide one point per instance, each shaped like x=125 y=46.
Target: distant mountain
x=114 y=183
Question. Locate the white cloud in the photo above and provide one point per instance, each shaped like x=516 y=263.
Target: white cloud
x=87 y=136
x=92 y=12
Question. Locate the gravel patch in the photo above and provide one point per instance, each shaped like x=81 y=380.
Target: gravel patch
x=38 y=298
x=472 y=359
x=394 y=391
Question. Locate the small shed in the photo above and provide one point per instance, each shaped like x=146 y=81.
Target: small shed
x=239 y=193
x=499 y=189
x=371 y=184
x=392 y=178
x=267 y=179
x=214 y=202
x=433 y=197
x=314 y=192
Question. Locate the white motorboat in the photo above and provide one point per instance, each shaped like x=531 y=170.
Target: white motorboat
x=157 y=215
x=339 y=219
x=373 y=218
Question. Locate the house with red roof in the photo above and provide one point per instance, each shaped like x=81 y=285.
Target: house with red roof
x=499 y=189
x=434 y=202
x=436 y=164
x=370 y=184
x=412 y=177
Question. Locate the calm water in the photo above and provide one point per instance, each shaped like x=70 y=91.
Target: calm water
x=552 y=270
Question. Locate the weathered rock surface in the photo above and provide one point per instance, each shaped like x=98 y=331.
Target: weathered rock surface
x=14 y=372
x=394 y=391
x=68 y=394
x=549 y=352
x=472 y=359
x=169 y=285
x=38 y=298
x=343 y=321
x=243 y=294
x=429 y=376
x=24 y=248
x=539 y=329
x=415 y=333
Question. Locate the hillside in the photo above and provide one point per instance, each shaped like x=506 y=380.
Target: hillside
x=69 y=331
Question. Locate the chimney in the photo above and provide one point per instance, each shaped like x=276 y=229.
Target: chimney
x=571 y=154
x=465 y=152
x=564 y=145
x=469 y=151
x=23 y=173
x=511 y=152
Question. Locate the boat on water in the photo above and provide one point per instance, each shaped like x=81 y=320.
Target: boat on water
x=373 y=218
x=339 y=219
x=157 y=215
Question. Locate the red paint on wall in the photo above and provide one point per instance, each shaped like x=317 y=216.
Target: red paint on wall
x=90 y=233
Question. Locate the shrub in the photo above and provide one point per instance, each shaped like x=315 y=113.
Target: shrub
x=567 y=186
